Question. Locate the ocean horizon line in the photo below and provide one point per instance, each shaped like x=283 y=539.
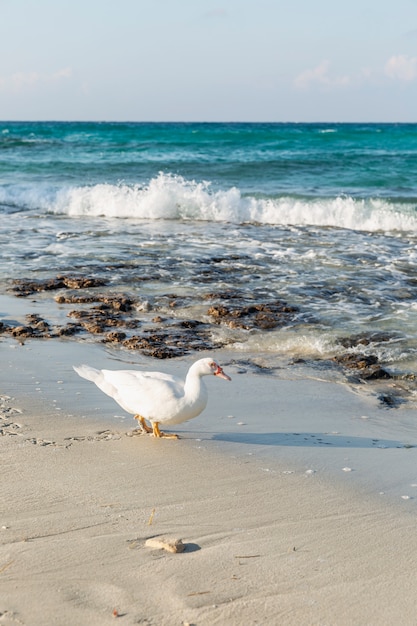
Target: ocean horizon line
x=210 y=122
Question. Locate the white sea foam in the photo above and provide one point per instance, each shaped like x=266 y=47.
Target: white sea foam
x=316 y=344
x=309 y=344
x=169 y=197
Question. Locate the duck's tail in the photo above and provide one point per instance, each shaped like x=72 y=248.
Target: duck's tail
x=90 y=373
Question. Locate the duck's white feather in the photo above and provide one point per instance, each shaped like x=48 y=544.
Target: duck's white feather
x=156 y=396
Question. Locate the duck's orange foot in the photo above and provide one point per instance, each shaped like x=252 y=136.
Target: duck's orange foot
x=143 y=424
x=158 y=433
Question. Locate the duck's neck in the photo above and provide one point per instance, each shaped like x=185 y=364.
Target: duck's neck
x=194 y=387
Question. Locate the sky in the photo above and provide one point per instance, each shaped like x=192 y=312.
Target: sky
x=209 y=60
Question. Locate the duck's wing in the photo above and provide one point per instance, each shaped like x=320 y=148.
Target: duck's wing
x=143 y=392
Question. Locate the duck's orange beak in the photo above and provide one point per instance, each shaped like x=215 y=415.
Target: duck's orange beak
x=219 y=372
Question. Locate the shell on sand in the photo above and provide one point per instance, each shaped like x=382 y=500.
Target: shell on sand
x=169 y=544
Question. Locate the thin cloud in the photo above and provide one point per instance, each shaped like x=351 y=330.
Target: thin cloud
x=320 y=75
x=19 y=81
x=401 y=67
x=216 y=12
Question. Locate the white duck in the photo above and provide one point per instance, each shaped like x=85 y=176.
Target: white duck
x=154 y=396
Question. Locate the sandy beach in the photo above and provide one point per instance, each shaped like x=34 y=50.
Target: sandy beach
x=144 y=228
x=284 y=521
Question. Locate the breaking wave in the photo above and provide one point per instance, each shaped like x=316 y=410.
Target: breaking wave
x=169 y=197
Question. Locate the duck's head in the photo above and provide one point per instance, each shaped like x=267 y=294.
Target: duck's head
x=209 y=366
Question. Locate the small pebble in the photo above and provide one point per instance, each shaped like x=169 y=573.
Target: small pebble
x=165 y=543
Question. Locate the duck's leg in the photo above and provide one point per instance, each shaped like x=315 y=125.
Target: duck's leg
x=143 y=424
x=158 y=433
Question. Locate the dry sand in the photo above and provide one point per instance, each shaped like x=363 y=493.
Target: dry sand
x=80 y=496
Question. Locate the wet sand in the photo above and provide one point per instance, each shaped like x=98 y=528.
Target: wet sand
x=294 y=499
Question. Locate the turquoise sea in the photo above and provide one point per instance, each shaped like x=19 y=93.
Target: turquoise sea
x=321 y=216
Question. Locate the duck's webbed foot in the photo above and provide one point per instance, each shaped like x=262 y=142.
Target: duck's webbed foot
x=158 y=433
x=144 y=426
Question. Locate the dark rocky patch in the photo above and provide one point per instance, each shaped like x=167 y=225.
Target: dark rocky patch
x=24 y=287
x=263 y=316
x=366 y=366
x=172 y=341
x=115 y=337
x=119 y=302
x=35 y=326
x=365 y=339
x=38 y=328
x=99 y=318
x=224 y=295
x=189 y=324
x=390 y=401
x=69 y=330
x=112 y=316
x=38 y=324
x=22 y=332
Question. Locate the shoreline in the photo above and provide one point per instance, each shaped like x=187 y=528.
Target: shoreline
x=333 y=427
x=274 y=529
x=224 y=320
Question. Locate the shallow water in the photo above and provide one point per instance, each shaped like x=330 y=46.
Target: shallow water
x=322 y=217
